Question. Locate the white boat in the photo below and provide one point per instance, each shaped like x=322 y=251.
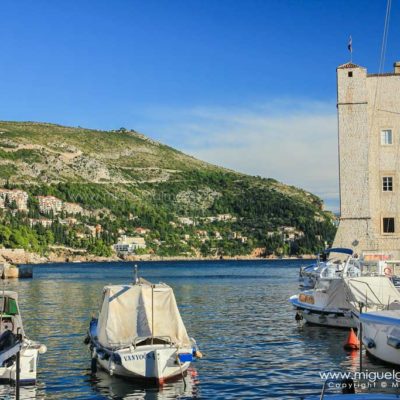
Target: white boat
x=337 y=302
x=325 y=267
x=381 y=334
x=14 y=340
x=140 y=334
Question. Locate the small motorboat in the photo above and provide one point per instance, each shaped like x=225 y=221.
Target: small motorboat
x=381 y=334
x=327 y=266
x=14 y=341
x=337 y=302
x=140 y=334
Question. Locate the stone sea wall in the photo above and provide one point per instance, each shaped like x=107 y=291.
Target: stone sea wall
x=20 y=256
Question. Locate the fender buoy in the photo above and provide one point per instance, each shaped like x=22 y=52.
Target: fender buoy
x=298 y=317
x=198 y=354
x=388 y=271
x=310 y=299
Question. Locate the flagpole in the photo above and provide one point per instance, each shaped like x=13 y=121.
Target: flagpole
x=350 y=48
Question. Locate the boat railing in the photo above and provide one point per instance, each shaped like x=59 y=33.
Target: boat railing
x=140 y=339
x=369 y=302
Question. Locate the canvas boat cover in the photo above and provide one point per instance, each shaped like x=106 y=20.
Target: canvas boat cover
x=374 y=292
x=139 y=311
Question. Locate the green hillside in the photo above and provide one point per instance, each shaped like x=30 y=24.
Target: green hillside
x=124 y=181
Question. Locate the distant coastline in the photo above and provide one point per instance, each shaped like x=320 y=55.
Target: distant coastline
x=19 y=256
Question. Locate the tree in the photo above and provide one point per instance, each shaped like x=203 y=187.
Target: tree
x=5 y=234
x=100 y=249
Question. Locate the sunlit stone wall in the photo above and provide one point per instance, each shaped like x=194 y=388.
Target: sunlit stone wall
x=368 y=104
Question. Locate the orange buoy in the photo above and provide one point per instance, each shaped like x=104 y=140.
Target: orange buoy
x=352 y=342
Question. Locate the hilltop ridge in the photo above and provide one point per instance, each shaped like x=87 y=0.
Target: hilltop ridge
x=123 y=181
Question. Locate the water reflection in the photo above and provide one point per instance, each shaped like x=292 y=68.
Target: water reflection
x=7 y=392
x=237 y=311
x=118 y=388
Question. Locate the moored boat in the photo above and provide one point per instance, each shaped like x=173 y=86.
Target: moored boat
x=337 y=302
x=140 y=334
x=381 y=334
x=328 y=266
x=14 y=340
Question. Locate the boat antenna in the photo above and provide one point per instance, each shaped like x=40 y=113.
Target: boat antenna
x=360 y=333
x=152 y=314
x=135 y=275
x=4 y=301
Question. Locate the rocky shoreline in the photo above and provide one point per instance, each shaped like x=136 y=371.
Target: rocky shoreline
x=20 y=256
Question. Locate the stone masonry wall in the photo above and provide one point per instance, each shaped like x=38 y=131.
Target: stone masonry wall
x=366 y=105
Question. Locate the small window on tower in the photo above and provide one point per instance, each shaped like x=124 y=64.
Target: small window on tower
x=388 y=225
x=387 y=184
x=350 y=74
x=386 y=136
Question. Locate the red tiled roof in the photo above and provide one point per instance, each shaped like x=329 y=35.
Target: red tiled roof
x=349 y=65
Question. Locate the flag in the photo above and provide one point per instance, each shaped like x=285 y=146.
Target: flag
x=350 y=45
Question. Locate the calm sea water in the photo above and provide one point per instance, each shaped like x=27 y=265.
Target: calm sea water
x=237 y=311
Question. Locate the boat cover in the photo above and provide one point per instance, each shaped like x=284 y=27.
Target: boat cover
x=138 y=311
x=374 y=292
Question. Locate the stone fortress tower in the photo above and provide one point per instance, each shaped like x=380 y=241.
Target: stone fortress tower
x=369 y=161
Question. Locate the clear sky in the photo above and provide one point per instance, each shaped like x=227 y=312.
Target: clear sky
x=246 y=84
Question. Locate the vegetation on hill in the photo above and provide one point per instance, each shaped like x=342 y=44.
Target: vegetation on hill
x=126 y=181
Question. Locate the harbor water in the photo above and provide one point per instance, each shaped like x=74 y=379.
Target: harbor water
x=238 y=311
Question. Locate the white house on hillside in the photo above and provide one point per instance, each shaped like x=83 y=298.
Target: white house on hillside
x=128 y=244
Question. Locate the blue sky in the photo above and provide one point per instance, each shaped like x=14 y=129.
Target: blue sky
x=249 y=84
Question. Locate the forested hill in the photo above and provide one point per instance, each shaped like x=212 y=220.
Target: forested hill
x=111 y=183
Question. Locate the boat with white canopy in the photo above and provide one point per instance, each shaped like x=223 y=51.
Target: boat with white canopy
x=140 y=334
x=337 y=302
x=13 y=340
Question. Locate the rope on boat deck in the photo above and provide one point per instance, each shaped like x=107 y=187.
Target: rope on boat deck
x=180 y=366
